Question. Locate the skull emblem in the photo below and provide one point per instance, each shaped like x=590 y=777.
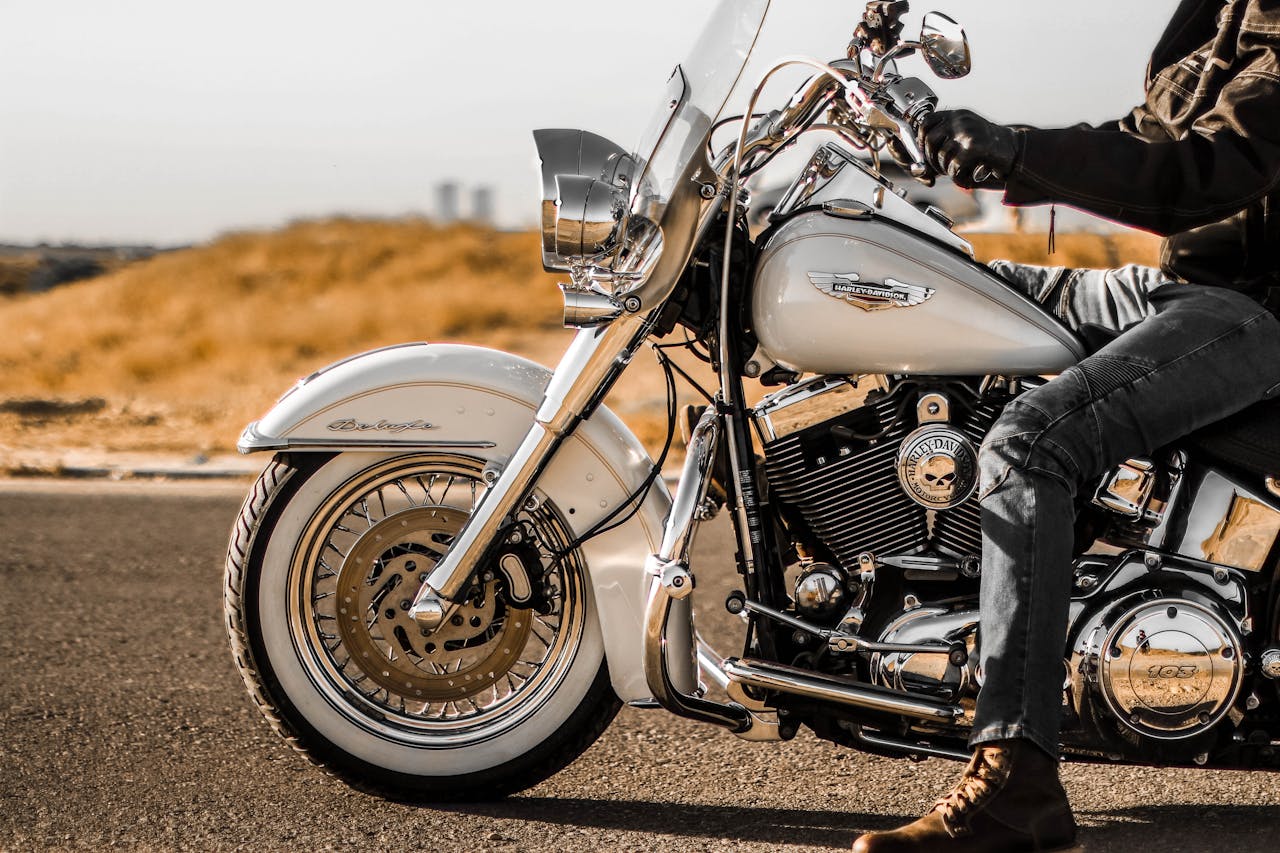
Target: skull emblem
x=937 y=474
x=936 y=467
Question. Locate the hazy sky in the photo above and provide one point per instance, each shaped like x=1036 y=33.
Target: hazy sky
x=171 y=121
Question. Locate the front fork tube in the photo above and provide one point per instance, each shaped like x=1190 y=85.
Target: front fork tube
x=585 y=374
x=672 y=651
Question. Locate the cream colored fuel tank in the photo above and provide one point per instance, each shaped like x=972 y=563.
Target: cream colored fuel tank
x=834 y=294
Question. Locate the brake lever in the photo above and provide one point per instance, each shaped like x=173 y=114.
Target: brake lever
x=906 y=134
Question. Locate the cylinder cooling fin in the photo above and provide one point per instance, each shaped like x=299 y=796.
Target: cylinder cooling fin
x=880 y=476
x=842 y=477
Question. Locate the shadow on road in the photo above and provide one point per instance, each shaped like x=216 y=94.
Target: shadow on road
x=1185 y=826
x=814 y=828
x=1165 y=827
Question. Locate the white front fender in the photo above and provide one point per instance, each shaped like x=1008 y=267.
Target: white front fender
x=480 y=402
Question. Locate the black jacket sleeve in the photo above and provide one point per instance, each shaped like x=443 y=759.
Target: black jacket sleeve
x=1229 y=159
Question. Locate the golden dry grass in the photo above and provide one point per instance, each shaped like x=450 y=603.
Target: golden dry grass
x=1073 y=250
x=187 y=347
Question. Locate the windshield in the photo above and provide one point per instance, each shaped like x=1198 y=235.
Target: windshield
x=696 y=93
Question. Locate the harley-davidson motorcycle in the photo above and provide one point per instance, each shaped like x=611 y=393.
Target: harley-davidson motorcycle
x=459 y=565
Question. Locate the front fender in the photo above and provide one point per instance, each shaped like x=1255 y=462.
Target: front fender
x=481 y=402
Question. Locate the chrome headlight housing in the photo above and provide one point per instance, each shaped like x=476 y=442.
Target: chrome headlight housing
x=586 y=193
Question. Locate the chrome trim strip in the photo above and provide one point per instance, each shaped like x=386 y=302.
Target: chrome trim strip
x=316 y=444
x=816 y=685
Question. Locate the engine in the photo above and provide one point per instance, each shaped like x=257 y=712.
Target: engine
x=881 y=470
x=1152 y=672
x=886 y=474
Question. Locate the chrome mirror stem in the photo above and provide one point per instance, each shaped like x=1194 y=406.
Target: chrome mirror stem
x=902 y=49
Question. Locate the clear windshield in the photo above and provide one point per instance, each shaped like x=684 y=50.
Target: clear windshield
x=695 y=96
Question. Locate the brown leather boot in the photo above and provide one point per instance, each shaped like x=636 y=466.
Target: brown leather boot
x=1009 y=800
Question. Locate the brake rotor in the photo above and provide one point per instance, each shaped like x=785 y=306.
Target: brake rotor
x=376 y=584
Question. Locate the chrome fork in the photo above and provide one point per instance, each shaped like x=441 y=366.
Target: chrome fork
x=585 y=374
x=581 y=379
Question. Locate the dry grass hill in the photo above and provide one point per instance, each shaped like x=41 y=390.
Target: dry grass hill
x=178 y=352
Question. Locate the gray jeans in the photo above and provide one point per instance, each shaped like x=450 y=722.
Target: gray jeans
x=1166 y=359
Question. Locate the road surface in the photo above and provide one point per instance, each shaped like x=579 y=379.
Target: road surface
x=123 y=724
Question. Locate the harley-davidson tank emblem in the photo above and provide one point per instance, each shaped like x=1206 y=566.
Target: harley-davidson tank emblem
x=867 y=295
x=937 y=466
x=353 y=425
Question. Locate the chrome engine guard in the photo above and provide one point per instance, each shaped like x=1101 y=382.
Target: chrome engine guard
x=673 y=652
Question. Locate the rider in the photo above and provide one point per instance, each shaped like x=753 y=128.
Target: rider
x=1198 y=162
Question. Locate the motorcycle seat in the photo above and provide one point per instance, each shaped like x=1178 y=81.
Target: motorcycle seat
x=1249 y=439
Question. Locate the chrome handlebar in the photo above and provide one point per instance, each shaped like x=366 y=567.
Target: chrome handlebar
x=774 y=129
x=867 y=108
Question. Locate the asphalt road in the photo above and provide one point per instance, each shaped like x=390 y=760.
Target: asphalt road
x=123 y=724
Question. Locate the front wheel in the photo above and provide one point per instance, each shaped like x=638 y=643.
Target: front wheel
x=324 y=560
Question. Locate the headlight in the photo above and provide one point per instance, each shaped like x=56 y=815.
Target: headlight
x=589 y=216
x=586 y=183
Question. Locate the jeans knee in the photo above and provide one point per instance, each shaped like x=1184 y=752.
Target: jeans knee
x=1018 y=441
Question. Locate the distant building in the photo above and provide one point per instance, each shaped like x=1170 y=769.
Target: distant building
x=447 y=202
x=482 y=205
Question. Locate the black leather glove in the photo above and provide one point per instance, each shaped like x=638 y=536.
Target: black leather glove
x=959 y=143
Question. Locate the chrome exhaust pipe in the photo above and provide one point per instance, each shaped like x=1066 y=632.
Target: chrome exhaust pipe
x=830 y=688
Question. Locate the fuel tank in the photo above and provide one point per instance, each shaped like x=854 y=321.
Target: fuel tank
x=843 y=288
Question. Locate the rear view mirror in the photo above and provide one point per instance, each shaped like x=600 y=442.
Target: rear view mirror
x=945 y=46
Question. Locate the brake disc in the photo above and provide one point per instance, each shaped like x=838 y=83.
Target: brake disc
x=376 y=584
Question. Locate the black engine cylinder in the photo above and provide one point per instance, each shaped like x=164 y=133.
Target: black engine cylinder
x=841 y=475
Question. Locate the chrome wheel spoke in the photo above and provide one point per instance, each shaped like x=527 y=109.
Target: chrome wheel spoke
x=373 y=544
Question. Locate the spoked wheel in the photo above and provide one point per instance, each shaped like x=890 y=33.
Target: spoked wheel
x=323 y=567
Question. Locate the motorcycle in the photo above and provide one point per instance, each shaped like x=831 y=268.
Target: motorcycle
x=459 y=565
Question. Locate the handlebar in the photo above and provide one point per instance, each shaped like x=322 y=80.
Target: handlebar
x=866 y=108
x=870 y=110
x=774 y=129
